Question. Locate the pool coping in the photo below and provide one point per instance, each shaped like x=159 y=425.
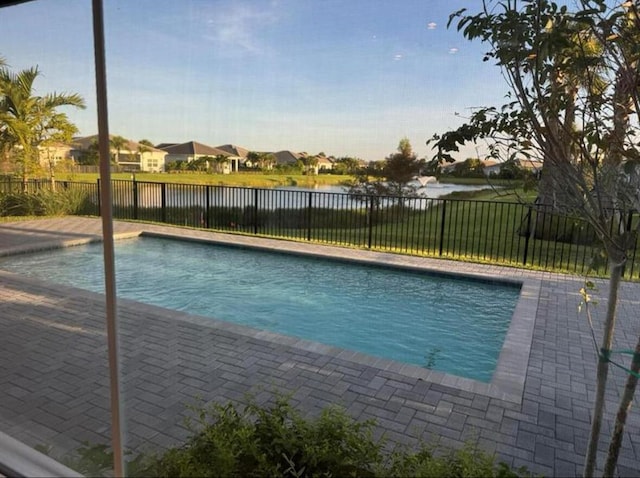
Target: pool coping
x=508 y=379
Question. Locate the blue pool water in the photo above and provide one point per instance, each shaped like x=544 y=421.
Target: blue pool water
x=453 y=325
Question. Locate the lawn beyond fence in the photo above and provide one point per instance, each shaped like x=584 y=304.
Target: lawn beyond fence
x=507 y=233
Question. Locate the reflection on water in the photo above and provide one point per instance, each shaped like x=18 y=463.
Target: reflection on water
x=150 y=195
x=432 y=190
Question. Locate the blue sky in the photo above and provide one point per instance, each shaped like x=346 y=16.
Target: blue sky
x=347 y=77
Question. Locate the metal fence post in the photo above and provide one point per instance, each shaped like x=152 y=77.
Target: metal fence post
x=255 y=211
x=163 y=202
x=135 y=199
x=526 y=239
x=207 y=202
x=98 y=190
x=310 y=205
x=370 y=206
x=443 y=219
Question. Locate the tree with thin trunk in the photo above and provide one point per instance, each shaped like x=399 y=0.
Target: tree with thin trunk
x=144 y=146
x=392 y=177
x=585 y=132
x=267 y=161
x=309 y=163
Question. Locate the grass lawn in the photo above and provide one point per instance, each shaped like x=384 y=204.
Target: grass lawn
x=242 y=179
x=472 y=231
x=499 y=194
x=480 y=181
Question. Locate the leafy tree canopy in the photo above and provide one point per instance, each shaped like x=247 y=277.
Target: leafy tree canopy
x=573 y=75
x=28 y=121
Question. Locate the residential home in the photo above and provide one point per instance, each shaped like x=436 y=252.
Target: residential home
x=287 y=157
x=133 y=156
x=164 y=145
x=53 y=153
x=192 y=150
x=531 y=165
x=491 y=166
x=324 y=163
x=238 y=154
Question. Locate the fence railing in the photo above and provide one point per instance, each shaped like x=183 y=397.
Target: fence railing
x=507 y=233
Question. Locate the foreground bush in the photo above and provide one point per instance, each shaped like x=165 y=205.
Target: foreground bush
x=277 y=441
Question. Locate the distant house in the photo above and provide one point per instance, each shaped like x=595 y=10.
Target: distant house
x=324 y=163
x=530 y=165
x=164 y=145
x=491 y=166
x=53 y=153
x=192 y=150
x=236 y=153
x=287 y=157
x=233 y=150
x=133 y=156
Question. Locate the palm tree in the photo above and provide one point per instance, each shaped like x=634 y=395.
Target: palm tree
x=28 y=121
x=219 y=161
x=267 y=161
x=310 y=164
x=118 y=143
x=144 y=146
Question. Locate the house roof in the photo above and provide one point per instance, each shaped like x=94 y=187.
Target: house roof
x=233 y=150
x=164 y=145
x=530 y=164
x=287 y=157
x=193 y=147
x=487 y=163
x=83 y=143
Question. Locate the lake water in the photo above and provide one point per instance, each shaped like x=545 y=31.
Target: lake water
x=432 y=190
x=150 y=195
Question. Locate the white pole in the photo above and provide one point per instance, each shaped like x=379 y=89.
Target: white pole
x=107 y=236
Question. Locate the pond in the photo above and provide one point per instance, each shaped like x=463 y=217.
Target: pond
x=432 y=190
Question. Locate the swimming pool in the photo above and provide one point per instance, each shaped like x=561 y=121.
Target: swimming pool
x=449 y=324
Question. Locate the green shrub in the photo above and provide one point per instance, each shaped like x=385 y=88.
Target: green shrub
x=46 y=203
x=277 y=442
x=274 y=441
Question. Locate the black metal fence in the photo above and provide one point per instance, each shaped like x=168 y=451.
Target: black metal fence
x=506 y=233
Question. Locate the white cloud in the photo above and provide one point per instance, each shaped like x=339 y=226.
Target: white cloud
x=397 y=57
x=237 y=27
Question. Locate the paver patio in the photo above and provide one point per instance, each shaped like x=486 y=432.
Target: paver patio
x=54 y=378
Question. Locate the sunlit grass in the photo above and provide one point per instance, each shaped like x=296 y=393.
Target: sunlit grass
x=241 y=179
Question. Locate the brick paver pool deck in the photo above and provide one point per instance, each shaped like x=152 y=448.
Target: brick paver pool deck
x=536 y=411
